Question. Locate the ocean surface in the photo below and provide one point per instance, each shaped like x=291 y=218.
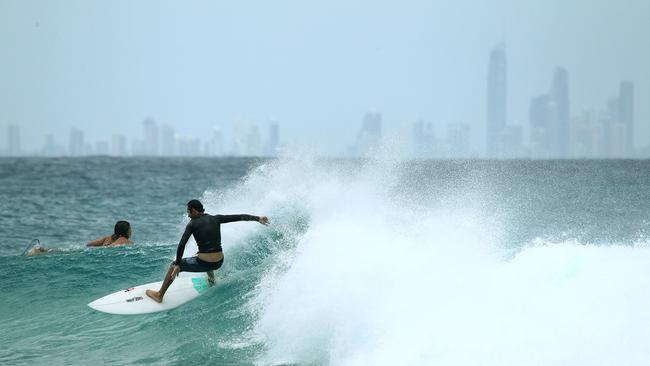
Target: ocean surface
x=366 y=262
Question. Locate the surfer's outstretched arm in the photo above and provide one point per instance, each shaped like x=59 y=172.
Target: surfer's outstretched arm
x=224 y=219
x=97 y=243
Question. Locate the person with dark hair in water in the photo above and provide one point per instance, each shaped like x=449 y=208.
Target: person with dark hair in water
x=206 y=230
x=121 y=235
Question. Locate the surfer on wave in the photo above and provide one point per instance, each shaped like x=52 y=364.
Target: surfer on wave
x=206 y=230
x=121 y=235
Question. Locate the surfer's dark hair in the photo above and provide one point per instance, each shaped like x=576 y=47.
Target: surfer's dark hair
x=121 y=229
x=195 y=204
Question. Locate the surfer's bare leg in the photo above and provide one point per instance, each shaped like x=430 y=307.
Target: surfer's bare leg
x=169 y=278
x=211 y=279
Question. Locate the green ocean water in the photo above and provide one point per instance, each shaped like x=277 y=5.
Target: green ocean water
x=366 y=262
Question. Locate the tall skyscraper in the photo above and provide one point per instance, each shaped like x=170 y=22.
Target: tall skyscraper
x=539 y=114
x=51 y=148
x=626 y=114
x=13 y=140
x=216 y=143
x=496 y=99
x=609 y=119
x=617 y=140
x=586 y=136
x=253 y=142
x=274 y=139
x=77 y=145
x=424 y=140
x=369 y=137
x=549 y=120
x=150 y=137
x=168 y=140
x=559 y=129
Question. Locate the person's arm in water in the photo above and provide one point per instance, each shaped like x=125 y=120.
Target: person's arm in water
x=242 y=217
x=121 y=241
x=97 y=243
x=37 y=250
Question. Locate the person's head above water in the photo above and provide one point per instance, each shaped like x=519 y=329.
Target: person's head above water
x=194 y=208
x=122 y=229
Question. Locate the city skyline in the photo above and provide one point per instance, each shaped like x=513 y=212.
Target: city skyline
x=155 y=140
x=317 y=67
x=554 y=131
x=503 y=140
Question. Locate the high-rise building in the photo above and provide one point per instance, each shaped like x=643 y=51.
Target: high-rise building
x=617 y=140
x=253 y=142
x=51 y=148
x=369 y=137
x=168 y=140
x=274 y=139
x=235 y=147
x=608 y=119
x=549 y=120
x=496 y=99
x=559 y=125
x=618 y=123
x=539 y=113
x=77 y=146
x=626 y=114
x=216 y=143
x=424 y=140
x=585 y=137
x=150 y=137
x=13 y=140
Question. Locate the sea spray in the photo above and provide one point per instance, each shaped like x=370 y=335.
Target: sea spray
x=366 y=262
x=383 y=278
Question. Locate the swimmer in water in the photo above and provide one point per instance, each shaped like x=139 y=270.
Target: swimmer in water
x=121 y=236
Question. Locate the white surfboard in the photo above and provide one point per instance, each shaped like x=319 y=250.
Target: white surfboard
x=133 y=300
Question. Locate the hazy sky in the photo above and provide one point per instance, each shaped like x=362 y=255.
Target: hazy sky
x=316 y=67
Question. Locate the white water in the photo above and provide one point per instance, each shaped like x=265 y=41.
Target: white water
x=381 y=281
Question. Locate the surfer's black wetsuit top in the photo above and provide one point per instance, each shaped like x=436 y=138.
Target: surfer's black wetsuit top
x=207 y=232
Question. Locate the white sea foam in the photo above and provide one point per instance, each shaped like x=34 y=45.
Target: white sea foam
x=380 y=281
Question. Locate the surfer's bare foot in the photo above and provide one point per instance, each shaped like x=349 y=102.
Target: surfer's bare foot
x=154 y=295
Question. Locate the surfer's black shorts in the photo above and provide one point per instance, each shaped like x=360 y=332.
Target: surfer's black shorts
x=194 y=264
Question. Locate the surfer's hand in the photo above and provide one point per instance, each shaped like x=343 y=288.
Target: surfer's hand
x=175 y=270
x=264 y=220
